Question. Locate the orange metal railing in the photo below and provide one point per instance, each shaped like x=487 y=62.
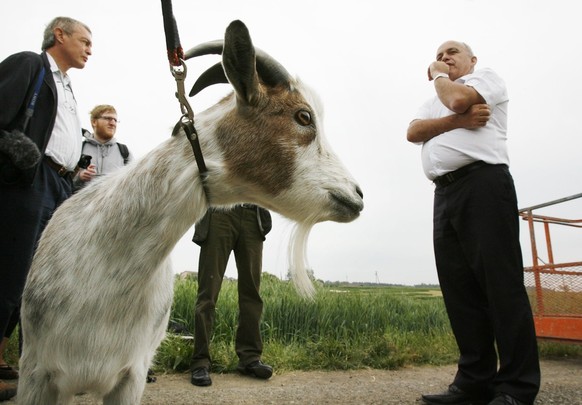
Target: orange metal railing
x=555 y=289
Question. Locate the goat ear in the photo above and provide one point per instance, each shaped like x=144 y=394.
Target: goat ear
x=271 y=72
x=238 y=60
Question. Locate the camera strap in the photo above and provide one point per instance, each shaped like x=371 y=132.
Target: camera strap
x=30 y=110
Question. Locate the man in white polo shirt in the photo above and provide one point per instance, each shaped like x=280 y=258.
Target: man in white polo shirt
x=463 y=132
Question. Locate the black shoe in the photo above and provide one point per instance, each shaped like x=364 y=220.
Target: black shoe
x=256 y=369
x=201 y=377
x=504 y=399
x=150 y=378
x=454 y=396
x=7 y=391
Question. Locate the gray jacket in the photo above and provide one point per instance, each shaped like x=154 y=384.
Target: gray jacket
x=105 y=156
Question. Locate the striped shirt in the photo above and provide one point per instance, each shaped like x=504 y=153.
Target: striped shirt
x=64 y=145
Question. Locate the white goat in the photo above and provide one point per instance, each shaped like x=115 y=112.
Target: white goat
x=98 y=297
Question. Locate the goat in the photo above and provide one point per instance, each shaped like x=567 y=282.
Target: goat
x=98 y=296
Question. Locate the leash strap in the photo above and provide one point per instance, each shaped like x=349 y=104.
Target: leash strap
x=175 y=51
x=179 y=70
x=192 y=135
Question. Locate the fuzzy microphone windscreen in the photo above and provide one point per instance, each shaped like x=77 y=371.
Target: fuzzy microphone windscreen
x=19 y=148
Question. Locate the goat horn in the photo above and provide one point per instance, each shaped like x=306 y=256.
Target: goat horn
x=214 y=75
x=270 y=71
x=207 y=48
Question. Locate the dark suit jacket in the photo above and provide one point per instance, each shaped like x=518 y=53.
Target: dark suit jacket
x=18 y=74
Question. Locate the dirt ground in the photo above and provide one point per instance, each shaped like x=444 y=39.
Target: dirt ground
x=561 y=385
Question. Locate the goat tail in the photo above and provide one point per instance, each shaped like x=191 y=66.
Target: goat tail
x=298 y=266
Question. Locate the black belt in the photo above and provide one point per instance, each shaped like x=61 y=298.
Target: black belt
x=451 y=177
x=61 y=170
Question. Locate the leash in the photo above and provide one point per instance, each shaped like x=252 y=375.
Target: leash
x=179 y=71
x=175 y=51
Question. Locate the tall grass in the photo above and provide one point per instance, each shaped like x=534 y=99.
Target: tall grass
x=343 y=328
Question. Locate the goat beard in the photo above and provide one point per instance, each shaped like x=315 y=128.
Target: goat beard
x=19 y=148
x=298 y=266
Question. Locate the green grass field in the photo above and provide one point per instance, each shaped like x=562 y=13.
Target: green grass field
x=344 y=327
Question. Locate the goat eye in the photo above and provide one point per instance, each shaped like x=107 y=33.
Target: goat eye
x=303 y=117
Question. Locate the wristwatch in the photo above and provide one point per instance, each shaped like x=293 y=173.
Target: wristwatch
x=440 y=75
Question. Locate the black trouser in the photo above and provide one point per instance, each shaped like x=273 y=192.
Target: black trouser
x=235 y=230
x=480 y=269
x=24 y=213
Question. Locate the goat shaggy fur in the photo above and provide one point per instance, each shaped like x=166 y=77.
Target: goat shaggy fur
x=98 y=297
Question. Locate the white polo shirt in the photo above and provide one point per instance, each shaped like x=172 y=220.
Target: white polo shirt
x=459 y=147
x=65 y=143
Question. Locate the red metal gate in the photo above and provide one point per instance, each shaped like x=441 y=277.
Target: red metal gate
x=555 y=289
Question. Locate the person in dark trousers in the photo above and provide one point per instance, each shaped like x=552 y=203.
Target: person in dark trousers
x=40 y=146
x=463 y=133
x=242 y=230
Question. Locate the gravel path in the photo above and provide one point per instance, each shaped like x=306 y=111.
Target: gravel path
x=561 y=385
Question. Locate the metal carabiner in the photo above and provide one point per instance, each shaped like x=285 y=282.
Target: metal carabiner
x=179 y=73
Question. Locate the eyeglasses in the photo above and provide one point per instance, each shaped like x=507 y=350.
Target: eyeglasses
x=109 y=119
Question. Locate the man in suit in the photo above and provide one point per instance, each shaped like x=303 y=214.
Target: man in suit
x=38 y=153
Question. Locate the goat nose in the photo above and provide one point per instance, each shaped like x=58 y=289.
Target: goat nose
x=359 y=192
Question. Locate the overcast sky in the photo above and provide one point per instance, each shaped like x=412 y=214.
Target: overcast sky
x=368 y=61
